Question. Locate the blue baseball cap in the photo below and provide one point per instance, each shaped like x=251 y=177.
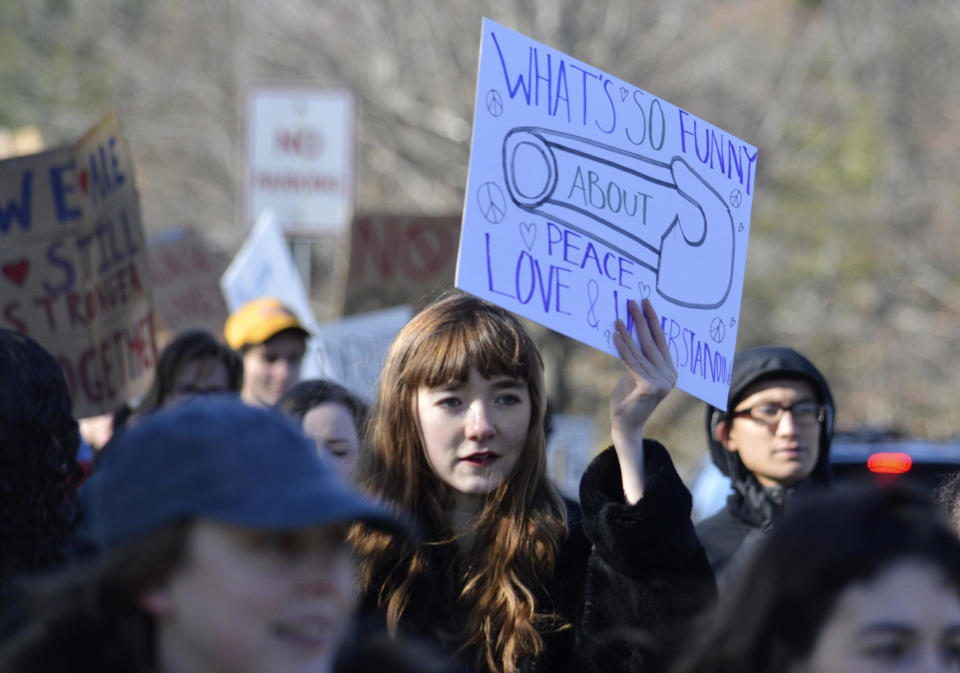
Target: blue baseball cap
x=218 y=458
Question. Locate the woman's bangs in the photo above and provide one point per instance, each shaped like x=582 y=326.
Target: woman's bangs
x=446 y=355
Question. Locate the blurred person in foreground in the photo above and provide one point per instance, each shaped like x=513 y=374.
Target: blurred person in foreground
x=272 y=342
x=330 y=415
x=864 y=580
x=39 y=472
x=223 y=549
x=773 y=442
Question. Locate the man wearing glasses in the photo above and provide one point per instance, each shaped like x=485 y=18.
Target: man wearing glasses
x=773 y=442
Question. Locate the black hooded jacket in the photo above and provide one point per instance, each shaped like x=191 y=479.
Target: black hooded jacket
x=752 y=509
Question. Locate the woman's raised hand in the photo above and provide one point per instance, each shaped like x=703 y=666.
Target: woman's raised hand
x=649 y=377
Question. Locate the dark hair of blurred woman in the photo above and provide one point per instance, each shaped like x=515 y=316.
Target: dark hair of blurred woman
x=825 y=556
x=39 y=473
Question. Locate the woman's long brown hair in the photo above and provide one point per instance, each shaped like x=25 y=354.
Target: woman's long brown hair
x=523 y=523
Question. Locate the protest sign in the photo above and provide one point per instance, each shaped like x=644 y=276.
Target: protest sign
x=73 y=265
x=299 y=157
x=264 y=267
x=351 y=351
x=185 y=280
x=399 y=259
x=585 y=192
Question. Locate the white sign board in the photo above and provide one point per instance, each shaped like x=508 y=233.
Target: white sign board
x=264 y=267
x=351 y=351
x=299 y=158
x=585 y=191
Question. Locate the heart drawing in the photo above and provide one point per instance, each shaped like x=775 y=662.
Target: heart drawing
x=644 y=290
x=16 y=271
x=528 y=232
x=623 y=94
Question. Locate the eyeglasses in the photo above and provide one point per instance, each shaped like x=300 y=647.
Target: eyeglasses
x=769 y=413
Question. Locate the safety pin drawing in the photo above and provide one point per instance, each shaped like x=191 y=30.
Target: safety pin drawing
x=700 y=236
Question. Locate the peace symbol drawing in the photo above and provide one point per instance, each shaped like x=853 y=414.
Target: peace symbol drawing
x=494 y=103
x=717 y=330
x=491 y=202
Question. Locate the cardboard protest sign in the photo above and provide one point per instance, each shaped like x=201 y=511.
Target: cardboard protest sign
x=73 y=265
x=351 y=351
x=185 y=279
x=585 y=191
x=399 y=259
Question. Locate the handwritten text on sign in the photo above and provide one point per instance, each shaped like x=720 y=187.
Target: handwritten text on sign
x=73 y=266
x=585 y=192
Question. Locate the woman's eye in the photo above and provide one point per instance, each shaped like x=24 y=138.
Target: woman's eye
x=509 y=399
x=449 y=402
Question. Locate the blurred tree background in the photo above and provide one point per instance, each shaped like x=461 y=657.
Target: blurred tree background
x=853 y=104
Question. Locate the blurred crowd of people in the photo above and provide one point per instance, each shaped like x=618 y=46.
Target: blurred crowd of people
x=238 y=519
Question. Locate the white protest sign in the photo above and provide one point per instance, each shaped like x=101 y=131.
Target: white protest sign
x=299 y=157
x=585 y=191
x=264 y=267
x=351 y=351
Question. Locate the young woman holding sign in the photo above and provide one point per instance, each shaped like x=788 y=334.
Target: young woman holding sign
x=505 y=574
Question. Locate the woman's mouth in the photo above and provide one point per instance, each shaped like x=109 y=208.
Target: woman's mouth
x=481 y=458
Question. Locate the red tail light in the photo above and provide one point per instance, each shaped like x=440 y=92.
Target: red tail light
x=889 y=463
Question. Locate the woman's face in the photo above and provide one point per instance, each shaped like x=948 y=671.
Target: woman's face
x=249 y=601
x=906 y=619
x=332 y=427
x=473 y=432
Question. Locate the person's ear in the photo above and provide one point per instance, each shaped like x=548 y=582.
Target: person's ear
x=723 y=436
x=156 y=601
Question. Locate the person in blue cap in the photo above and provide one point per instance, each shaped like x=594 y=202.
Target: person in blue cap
x=223 y=549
